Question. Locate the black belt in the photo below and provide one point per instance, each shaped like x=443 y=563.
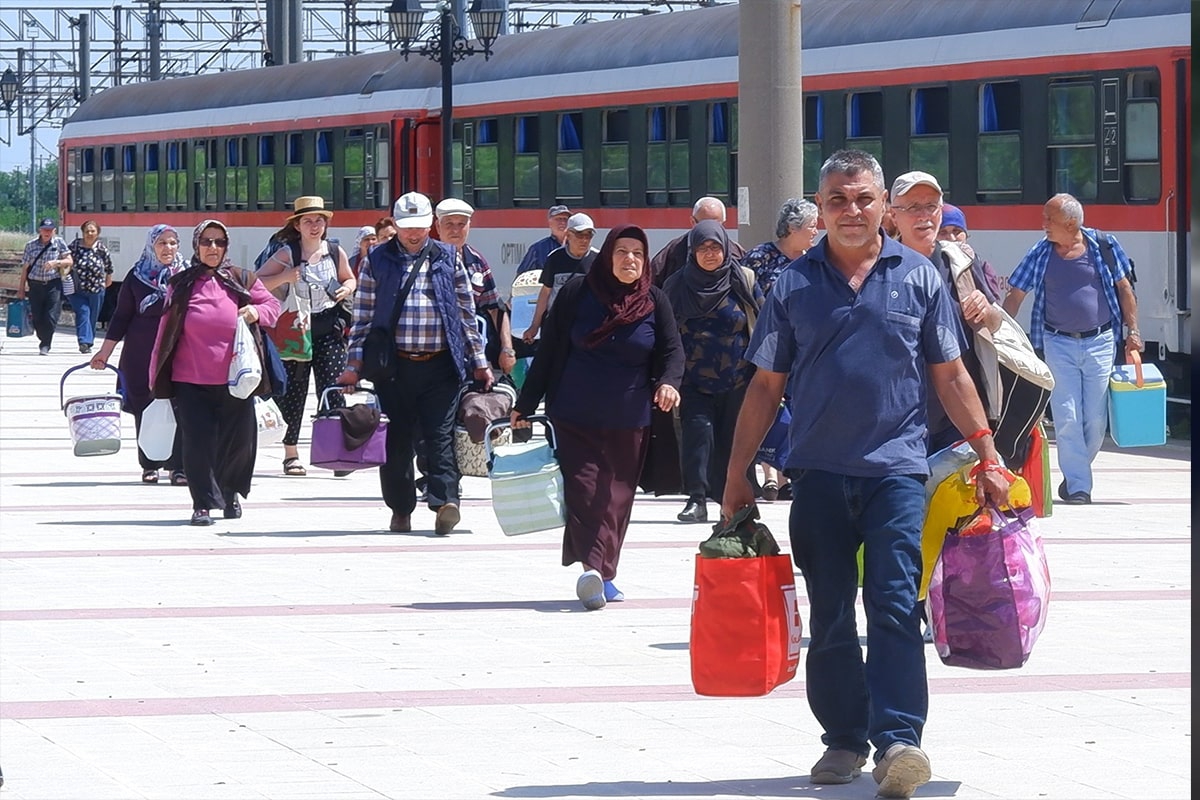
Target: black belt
x=420 y=356
x=1082 y=334
x=39 y=280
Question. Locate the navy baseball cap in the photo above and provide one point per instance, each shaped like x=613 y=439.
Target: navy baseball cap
x=47 y=222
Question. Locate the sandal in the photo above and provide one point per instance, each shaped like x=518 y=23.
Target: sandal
x=149 y=476
x=770 y=491
x=178 y=478
x=292 y=466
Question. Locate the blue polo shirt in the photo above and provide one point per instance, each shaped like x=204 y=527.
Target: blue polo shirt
x=856 y=363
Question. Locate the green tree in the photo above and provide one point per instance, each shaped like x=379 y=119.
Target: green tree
x=14 y=196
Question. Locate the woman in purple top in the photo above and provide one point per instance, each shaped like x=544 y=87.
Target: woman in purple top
x=609 y=350
x=190 y=364
x=135 y=320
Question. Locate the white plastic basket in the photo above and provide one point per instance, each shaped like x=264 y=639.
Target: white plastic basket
x=94 y=420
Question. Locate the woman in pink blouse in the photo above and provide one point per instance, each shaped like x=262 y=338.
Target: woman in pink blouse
x=191 y=364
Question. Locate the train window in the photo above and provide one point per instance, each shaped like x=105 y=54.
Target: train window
x=87 y=179
x=149 y=177
x=487 y=163
x=128 y=177
x=177 y=184
x=679 y=179
x=293 y=171
x=204 y=173
x=264 y=198
x=929 y=132
x=864 y=122
x=237 y=173
x=998 y=148
x=323 y=172
x=1072 y=144
x=72 y=180
x=614 y=158
x=569 y=158
x=458 y=154
x=526 y=173
x=1143 y=168
x=719 y=149
x=656 y=156
x=354 y=180
x=814 y=134
x=379 y=169
x=108 y=178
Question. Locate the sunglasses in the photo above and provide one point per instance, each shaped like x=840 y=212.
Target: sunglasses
x=207 y=242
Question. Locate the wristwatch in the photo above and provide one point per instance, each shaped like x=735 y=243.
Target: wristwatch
x=508 y=351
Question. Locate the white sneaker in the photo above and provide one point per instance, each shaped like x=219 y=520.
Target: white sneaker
x=902 y=769
x=590 y=590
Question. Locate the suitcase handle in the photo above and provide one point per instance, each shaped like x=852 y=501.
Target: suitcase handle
x=323 y=404
x=503 y=422
x=1136 y=357
x=62 y=384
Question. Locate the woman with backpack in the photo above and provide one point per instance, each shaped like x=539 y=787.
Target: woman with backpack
x=311 y=277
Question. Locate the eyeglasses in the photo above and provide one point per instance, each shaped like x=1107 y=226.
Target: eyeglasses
x=919 y=210
x=207 y=242
x=710 y=248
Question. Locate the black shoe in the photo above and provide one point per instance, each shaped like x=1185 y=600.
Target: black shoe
x=341 y=473
x=693 y=512
x=1062 y=492
x=85 y=348
x=1078 y=499
x=233 y=508
x=200 y=517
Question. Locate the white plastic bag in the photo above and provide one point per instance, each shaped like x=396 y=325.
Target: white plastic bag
x=245 y=368
x=156 y=436
x=271 y=427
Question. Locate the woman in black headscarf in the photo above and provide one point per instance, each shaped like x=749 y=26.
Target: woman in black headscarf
x=609 y=350
x=716 y=302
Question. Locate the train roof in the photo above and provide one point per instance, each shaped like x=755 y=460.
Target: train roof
x=699 y=35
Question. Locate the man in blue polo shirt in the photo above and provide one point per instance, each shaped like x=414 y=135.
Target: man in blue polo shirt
x=855 y=332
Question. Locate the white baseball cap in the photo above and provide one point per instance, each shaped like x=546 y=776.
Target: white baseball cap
x=905 y=183
x=413 y=210
x=580 y=222
x=452 y=206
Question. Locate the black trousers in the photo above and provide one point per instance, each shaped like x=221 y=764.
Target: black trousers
x=220 y=442
x=706 y=439
x=45 y=302
x=175 y=462
x=420 y=403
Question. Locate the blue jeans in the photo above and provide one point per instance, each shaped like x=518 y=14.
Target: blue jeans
x=1079 y=402
x=87 y=311
x=885 y=699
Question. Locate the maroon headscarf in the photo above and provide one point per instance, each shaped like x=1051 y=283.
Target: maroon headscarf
x=626 y=302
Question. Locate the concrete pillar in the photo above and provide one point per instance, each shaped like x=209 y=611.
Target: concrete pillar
x=770 y=115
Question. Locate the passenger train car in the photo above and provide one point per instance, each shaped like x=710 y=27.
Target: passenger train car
x=633 y=119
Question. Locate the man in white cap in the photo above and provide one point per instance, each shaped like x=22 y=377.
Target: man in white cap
x=413 y=287
x=453 y=227
x=45 y=260
x=539 y=251
x=575 y=257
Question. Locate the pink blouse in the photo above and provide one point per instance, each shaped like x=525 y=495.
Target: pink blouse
x=205 y=345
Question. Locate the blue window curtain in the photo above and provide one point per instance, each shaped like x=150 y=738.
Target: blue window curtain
x=266 y=150
x=820 y=119
x=990 y=121
x=128 y=162
x=324 y=154
x=107 y=159
x=720 y=123
x=855 y=115
x=231 y=153
x=658 y=124
x=173 y=156
x=526 y=134
x=919 y=124
x=151 y=158
x=487 y=131
x=295 y=148
x=568 y=133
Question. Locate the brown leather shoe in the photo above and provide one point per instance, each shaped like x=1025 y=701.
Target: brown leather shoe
x=401 y=523
x=447 y=518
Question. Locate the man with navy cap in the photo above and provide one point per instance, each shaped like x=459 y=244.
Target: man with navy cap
x=45 y=260
x=539 y=251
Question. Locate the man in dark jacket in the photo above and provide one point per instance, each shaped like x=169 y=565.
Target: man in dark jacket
x=674 y=255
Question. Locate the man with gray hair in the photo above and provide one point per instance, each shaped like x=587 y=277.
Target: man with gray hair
x=1082 y=306
x=674 y=255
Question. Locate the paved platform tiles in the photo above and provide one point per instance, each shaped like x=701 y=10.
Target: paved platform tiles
x=303 y=652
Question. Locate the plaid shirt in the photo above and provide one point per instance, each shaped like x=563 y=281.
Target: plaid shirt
x=1030 y=274
x=37 y=263
x=419 y=329
x=480 y=275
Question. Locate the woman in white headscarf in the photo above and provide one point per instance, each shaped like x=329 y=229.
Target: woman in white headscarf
x=363 y=242
x=135 y=320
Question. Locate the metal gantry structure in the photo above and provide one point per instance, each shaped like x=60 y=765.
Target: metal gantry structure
x=43 y=43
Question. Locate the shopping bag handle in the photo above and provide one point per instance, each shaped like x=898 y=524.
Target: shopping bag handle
x=504 y=422
x=1136 y=357
x=323 y=403
x=62 y=384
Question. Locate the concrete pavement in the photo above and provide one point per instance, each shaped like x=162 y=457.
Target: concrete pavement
x=305 y=652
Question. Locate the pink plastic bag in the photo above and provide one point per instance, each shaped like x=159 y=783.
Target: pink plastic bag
x=990 y=591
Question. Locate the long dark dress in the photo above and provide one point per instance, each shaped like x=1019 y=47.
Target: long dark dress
x=138 y=330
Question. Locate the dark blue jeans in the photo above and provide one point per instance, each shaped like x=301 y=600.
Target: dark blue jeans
x=420 y=402
x=87 y=311
x=886 y=699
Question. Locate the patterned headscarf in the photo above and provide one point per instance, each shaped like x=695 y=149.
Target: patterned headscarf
x=199 y=229
x=624 y=303
x=152 y=272
x=363 y=232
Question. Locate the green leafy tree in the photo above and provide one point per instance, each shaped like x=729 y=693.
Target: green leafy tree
x=14 y=196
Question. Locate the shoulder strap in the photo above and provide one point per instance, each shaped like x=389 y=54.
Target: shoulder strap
x=1110 y=258
x=960 y=268
x=424 y=258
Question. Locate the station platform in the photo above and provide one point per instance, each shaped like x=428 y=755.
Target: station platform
x=303 y=652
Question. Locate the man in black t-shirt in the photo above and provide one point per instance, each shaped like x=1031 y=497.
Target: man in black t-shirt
x=575 y=257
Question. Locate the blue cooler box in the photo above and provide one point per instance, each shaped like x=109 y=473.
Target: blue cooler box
x=1137 y=417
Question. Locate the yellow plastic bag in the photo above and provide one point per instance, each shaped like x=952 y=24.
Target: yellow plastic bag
x=953 y=499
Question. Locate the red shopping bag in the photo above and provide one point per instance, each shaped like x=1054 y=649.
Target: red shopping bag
x=1036 y=472
x=745 y=636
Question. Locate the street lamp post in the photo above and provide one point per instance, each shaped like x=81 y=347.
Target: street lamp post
x=447 y=45
x=13 y=91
